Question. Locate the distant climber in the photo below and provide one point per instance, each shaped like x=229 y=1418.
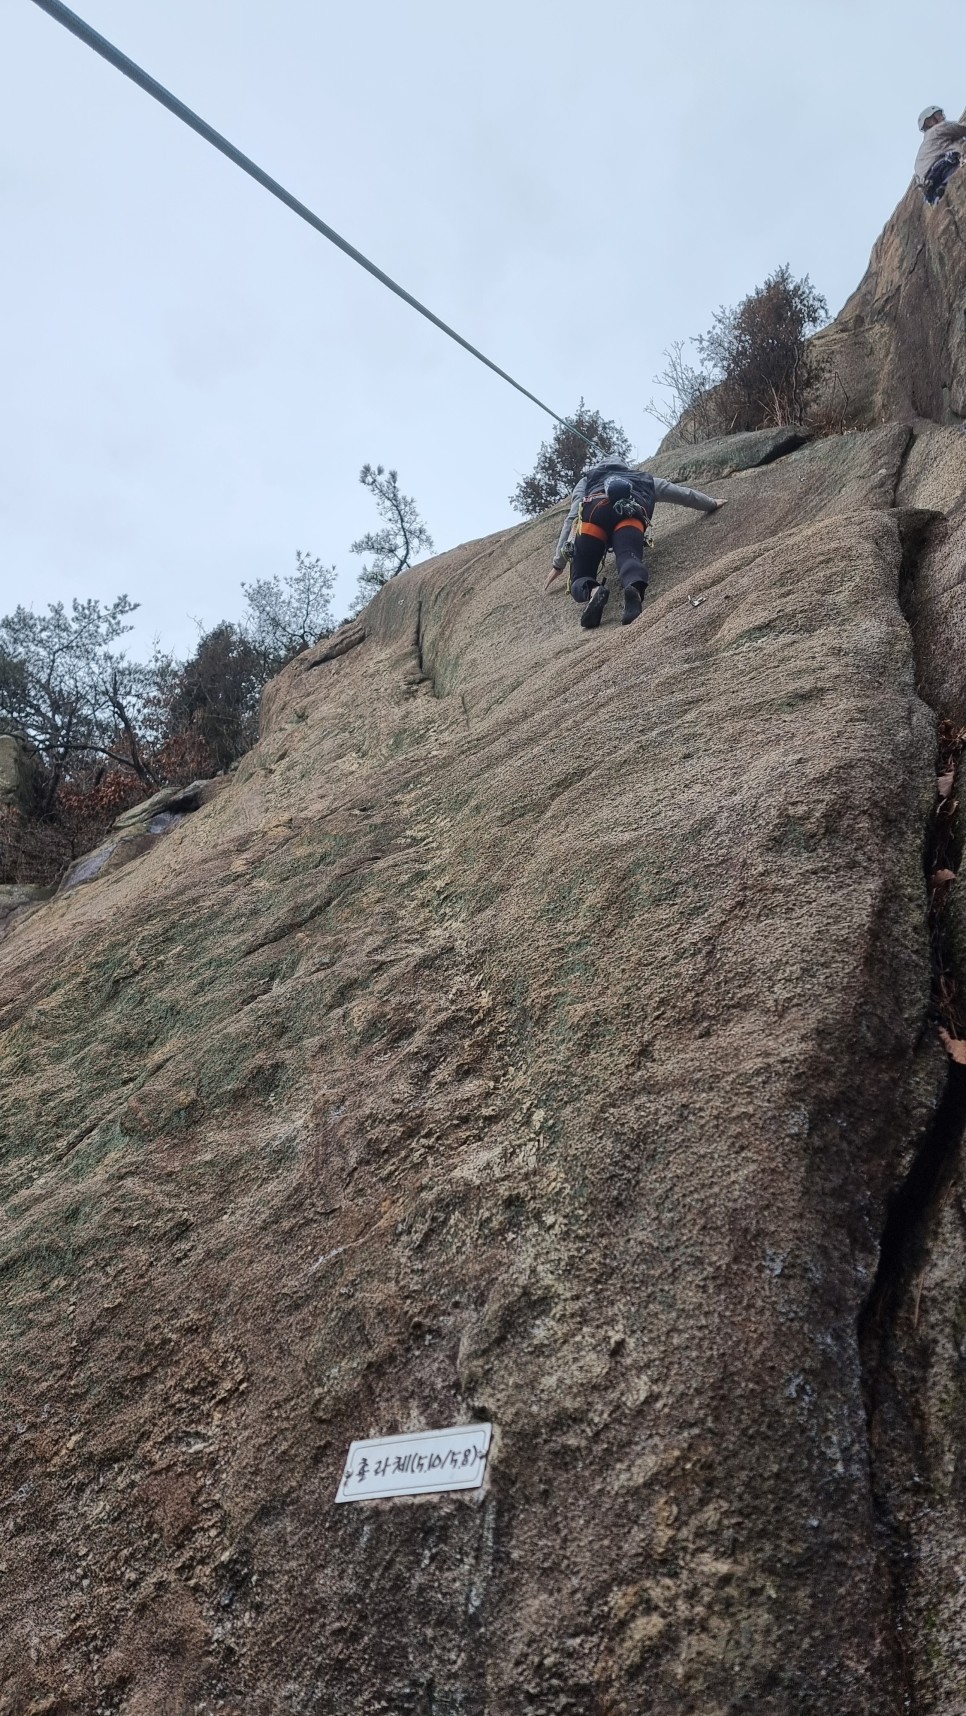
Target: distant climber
x=938 y=158
x=612 y=506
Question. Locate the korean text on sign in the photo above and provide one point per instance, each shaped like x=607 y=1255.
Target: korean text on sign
x=419 y=1463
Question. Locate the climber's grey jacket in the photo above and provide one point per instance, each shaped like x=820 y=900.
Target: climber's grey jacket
x=937 y=140
x=594 y=478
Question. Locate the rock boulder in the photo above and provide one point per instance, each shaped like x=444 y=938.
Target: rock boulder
x=15 y=770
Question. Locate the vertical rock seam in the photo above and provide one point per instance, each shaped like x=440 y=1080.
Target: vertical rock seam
x=917 y=1198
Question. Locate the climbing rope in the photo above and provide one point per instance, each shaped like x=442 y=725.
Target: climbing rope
x=77 y=26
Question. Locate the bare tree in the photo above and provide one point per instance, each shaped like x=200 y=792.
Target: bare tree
x=691 y=407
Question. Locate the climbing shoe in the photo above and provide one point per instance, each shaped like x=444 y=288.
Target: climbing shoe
x=591 y=616
x=633 y=599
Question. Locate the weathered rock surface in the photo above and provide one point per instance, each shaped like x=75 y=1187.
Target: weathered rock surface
x=169 y=802
x=136 y=830
x=15 y=769
x=898 y=348
x=709 y=461
x=534 y=1028
x=935 y=472
x=17 y=896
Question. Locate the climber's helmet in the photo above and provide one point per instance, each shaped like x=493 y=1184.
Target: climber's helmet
x=617 y=488
x=929 y=113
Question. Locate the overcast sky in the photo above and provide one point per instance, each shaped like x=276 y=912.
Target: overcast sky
x=192 y=378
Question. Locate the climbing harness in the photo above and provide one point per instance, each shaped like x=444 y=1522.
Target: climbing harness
x=621 y=496
x=629 y=511
x=100 y=45
x=935 y=182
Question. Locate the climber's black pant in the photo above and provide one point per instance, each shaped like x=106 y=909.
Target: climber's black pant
x=601 y=528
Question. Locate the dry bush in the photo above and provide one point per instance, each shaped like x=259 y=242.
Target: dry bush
x=39 y=845
x=692 y=410
x=31 y=849
x=762 y=353
x=828 y=411
x=185 y=758
x=85 y=809
x=758 y=368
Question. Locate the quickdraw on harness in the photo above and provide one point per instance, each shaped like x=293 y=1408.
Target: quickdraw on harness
x=620 y=493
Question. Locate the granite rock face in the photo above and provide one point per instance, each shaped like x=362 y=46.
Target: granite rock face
x=898 y=348
x=538 y=1027
x=934 y=487
x=896 y=352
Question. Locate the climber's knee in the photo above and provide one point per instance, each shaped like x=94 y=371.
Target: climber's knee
x=581 y=589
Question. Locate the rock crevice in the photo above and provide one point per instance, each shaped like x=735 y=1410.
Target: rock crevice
x=890 y=1314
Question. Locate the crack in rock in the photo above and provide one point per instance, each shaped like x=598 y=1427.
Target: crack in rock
x=914 y=1202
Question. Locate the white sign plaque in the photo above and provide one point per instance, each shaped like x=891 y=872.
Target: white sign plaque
x=423 y=1462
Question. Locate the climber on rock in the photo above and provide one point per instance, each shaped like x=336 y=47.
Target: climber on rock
x=612 y=506
x=939 y=156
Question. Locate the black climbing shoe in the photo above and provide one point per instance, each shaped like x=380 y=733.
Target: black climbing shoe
x=633 y=598
x=591 y=616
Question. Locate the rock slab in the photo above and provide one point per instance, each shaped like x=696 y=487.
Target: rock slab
x=533 y=1030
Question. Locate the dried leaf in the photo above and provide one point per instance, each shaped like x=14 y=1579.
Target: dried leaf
x=944 y=784
x=955 y=1047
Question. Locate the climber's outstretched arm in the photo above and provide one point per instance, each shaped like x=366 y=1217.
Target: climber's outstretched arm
x=678 y=495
